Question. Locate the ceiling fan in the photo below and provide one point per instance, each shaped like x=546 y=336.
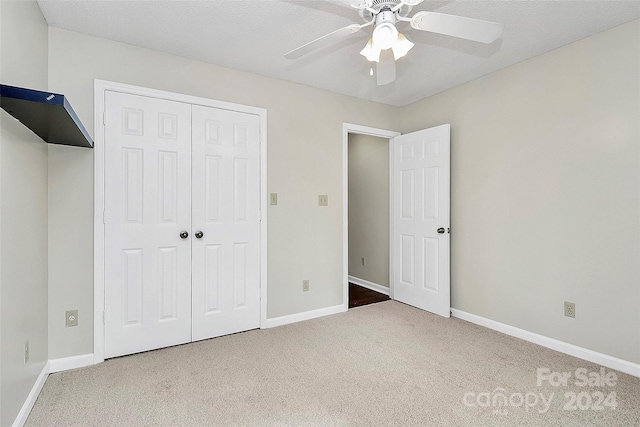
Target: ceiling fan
x=383 y=15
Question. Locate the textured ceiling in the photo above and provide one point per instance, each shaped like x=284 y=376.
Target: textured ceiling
x=253 y=35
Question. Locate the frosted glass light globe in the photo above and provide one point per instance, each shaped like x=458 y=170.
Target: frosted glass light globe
x=384 y=36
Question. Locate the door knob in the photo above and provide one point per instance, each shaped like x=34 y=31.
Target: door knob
x=184 y=235
x=199 y=234
x=440 y=230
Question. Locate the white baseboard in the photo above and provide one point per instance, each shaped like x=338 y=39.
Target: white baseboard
x=73 y=362
x=305 y=315
x=561 y=346
x=22 y=416
x=369 y=285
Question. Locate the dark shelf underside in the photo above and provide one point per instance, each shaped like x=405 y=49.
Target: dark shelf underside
x=48 y=115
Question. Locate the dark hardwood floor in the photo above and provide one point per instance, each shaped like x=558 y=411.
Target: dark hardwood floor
x=362 y=296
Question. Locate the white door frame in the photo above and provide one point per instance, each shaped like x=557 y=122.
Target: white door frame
x=348 y=128
x=99 y=88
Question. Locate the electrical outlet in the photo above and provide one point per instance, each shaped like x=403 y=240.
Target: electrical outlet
x=364 y=261
x=323 y=200
x=569 y=309
x=273 y=198
x=26 y=352
x=305 y=285
x=71 y=318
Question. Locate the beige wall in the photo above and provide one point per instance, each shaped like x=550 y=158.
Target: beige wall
x=304 y=160
x=369 y=208
x=70 y=248
x=545 y=186
x=23 y=213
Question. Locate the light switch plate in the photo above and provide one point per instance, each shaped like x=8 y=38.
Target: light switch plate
x=323 y=200
x=273 y=199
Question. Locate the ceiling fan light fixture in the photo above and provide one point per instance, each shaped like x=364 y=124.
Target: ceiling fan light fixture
x=384 y=36
x=401 y=46
x=371 y=53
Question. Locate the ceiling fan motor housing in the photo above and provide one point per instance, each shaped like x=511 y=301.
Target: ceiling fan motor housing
x=385 y=32
x=388 y=5
x=386 y=16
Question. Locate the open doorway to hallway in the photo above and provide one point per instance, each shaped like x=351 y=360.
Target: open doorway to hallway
x=368 y=219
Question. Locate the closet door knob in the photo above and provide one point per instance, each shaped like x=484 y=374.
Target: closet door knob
x=440 y=230
x=199 y=234
x=184 y=235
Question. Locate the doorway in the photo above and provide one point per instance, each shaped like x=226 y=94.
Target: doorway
x=368 y=187
x=367 y=209
x=419 y=216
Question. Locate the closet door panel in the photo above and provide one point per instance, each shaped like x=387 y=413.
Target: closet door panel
x=147 y=206
x=226 y=210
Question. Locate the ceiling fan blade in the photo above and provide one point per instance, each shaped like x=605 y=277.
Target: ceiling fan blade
x=386 y=68
x=457 y=26
x=323 y=41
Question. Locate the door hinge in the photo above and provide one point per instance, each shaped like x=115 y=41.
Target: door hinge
x=104 y=117
x=104 y=217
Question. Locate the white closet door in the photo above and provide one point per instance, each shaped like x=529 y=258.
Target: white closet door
x=226 y=210
x=421 y=205
x=148 y=205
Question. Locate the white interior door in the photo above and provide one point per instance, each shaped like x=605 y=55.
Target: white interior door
x=421 y=205
x=182 y=223
x=148 y=205
x=226 y=216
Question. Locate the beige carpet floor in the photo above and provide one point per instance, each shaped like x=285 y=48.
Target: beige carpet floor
x=385 y=364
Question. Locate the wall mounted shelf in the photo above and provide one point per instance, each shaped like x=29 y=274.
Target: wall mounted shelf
x=48 y=115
